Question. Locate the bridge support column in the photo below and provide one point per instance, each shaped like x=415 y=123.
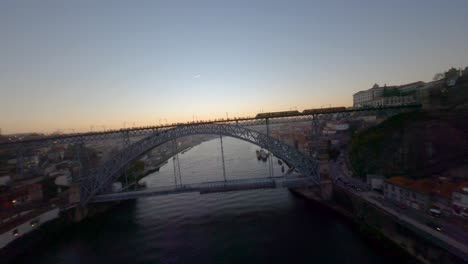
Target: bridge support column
x=20 y=162
x=316 y=136
x=79 y=151
x=79 y=213
x=326 y=189
x=270 y=163
x=125 y=144
x=176 y=164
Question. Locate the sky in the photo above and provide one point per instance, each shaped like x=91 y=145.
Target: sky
x=81 y=65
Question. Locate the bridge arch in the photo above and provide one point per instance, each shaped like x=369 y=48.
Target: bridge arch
x=98 y=180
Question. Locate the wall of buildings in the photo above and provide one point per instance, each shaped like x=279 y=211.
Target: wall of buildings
x=375 y=96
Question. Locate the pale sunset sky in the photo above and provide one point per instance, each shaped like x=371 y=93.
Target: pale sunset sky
x=75 y=64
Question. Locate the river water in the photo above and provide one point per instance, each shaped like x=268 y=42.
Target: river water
x=256 y=226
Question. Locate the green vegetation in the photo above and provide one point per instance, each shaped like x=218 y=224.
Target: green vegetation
x=134 y=172
x=370 y=150
x=415 y=144
x=452 y=73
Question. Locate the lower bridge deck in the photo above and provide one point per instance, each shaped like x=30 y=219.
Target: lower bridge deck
x=208 y=187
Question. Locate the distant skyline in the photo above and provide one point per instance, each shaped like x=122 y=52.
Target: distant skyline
x=79 y=64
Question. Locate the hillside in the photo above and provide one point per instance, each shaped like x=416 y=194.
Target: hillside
x=416 y=144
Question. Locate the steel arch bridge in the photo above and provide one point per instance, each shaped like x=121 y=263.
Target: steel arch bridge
x=126 y=134
x=98 y=181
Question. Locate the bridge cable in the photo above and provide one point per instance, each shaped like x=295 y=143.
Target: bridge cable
x=178 y=166
x=222 y=157
x=173 y=161
x=270 y=163
x=20 y=162
x=125 y=143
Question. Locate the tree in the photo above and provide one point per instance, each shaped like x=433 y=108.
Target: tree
x=452 y=73
x=139 y=166
x=438 y=76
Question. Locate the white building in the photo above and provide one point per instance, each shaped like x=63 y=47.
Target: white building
x=362 y=98
x=375 y=96
x=375 y=181
x=411 y=87
x=393 y=101
x=460 y=200
x=407 y=192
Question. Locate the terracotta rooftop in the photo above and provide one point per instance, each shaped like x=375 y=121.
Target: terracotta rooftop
x=444 y=190
x=422 y=186
x=462 y=188
x=400 y=181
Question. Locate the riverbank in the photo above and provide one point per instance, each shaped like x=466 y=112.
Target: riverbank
x=136 y=177
x=379 y=242
x=382 y=225
x=52 y=230
x=75 y=216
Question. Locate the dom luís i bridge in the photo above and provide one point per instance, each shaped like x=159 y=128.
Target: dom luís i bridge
x=94 y=182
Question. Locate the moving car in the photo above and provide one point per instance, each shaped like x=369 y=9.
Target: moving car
x=434 y=225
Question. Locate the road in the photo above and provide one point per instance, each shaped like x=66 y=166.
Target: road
x=452 y=235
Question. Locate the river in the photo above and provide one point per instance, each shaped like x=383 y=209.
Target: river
x=256 y=226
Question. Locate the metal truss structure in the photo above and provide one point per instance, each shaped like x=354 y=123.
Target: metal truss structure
x=99 y=180
x=126 y=134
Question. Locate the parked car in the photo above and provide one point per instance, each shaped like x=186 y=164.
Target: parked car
x=435 y=212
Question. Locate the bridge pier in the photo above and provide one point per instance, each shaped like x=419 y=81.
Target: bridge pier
x=79 y=213
x=20 y=162
x=326 y=190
